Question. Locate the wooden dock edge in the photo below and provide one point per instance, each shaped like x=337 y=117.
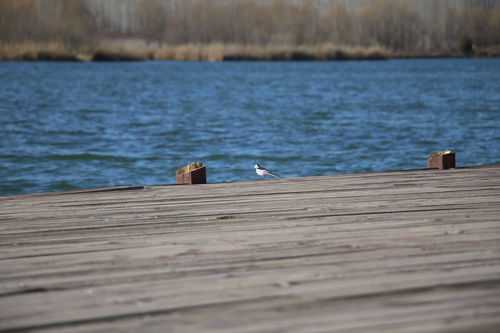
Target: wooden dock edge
x=141 y=187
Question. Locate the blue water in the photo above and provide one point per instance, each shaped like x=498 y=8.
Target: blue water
x=83 y=125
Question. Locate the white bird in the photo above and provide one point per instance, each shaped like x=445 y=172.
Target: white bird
x=261 y=171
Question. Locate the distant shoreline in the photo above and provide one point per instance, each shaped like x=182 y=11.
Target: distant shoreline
x=219 y=52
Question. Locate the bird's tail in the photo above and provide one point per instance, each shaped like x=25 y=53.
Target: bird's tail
x=274 y=175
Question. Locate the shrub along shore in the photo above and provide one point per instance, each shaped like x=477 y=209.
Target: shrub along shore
x=216 y=52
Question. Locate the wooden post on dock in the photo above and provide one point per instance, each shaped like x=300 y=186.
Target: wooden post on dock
x=194 y=173
x=441 y=160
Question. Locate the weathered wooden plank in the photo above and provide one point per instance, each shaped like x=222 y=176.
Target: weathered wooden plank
x=392 y=251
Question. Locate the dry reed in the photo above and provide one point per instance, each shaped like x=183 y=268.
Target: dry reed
x=39 y=51
x=221 y=52
x=211 y=52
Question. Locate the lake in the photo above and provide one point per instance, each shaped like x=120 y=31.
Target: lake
x=71 y=126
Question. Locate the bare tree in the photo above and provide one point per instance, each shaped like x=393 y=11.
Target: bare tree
x=151 y=16
x=400 y=25
x=75 y=26
x=390 y=24
x=67 y=22
x=338 y=24
x=18 y=20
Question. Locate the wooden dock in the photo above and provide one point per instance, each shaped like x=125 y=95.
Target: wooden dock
x=401 y=251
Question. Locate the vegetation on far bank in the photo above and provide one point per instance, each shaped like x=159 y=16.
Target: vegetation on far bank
x=216 y=30
x=215 y=52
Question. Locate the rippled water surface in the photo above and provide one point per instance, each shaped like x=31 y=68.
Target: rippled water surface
x=83 y=125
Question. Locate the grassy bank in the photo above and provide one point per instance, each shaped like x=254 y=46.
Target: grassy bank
x=189 y=52
x=213 y=52
x=221 y=52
